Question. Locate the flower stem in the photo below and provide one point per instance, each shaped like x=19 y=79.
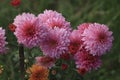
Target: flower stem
x=21 y=56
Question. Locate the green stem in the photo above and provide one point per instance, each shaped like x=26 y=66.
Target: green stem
x=21 y=56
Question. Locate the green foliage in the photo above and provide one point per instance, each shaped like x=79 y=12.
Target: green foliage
x=77 y=12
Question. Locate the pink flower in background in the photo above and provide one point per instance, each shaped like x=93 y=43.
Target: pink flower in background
x=54 y=19
x=83 y=26
x=2 y=41
x=75 y=42
x=97 y=38
x=86 y=61
x=56 y=42
x=45 y=61
x=29 y=31
x=47 y=14
x=58 y=22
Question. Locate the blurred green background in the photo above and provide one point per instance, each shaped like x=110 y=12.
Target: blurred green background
x=75 y=11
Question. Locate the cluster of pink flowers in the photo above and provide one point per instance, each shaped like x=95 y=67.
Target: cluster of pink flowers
x=94 y=40
x=54 y=35
x=2 y=41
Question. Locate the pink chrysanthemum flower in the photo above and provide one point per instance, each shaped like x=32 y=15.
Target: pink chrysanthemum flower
x=45 y=61
x=29 y=31
x=2 y=41
x=54 y=19
x=97 y=38
x=23 y=19
x=56 y=42
x=83 y=26
x=75 y=42
x=47 y=14
x=86 y=61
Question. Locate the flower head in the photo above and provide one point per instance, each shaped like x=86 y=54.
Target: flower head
x=24 y=18
x=29 y=31
x=97 y=38
x=45 y=61
x=75 y=42
x=2 y=41
x=56 y=42
x=81 y=71
x=12 y=27
x=53 y=72
x=83 y=26
x=54 y=19
x=49 y=14
x=64 y=66
x=86 y=61
x=38 y=73
x=15 y=3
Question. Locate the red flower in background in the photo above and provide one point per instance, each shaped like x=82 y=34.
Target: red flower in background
x=81 y=71
x=15 y=3
x=12 y=27
x=64 y=66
